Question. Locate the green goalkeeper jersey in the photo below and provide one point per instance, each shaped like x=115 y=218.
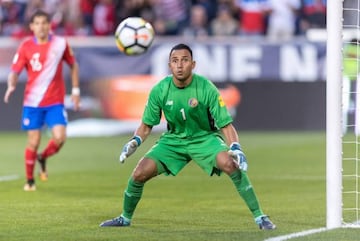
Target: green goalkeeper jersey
x=193 y=111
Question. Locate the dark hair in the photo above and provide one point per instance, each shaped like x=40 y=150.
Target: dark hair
x=40 y=13
x=181 y=46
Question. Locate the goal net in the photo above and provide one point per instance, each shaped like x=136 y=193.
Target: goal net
x=351 y=113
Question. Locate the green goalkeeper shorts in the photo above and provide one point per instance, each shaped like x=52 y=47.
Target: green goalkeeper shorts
x=172 y=154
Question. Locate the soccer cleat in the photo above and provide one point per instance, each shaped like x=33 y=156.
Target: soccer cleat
x=265 y=223
x=43 y=176
x=115 y=222
x=30 y=186
x=43 y=173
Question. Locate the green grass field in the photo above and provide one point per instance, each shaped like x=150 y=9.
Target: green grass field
x=86 y=184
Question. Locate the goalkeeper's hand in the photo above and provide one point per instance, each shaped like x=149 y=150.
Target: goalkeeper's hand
x=129 y=148
x=238 y=156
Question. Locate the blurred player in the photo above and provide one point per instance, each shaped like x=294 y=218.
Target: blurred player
x=195 y=114
x=42 y=56
x=351 y=86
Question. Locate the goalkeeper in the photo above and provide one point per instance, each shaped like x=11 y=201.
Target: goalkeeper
x=196 y=115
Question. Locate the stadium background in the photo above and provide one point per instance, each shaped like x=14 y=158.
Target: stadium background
x=268 y=84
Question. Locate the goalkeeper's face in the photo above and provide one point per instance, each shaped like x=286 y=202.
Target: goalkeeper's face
x=181 y=65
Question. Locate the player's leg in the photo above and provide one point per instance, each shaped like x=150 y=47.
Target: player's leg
x=56 y=142
x=211 y=154
x=56 y=119
x=33 y=141
x=160 y=159
x=241 y=181
x=32 y=121
x=53 y=146
x=244 y=188
x=172 y=162
x=144 y=171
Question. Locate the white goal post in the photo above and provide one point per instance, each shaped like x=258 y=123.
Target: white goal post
x=334 y=114
x=343 y=114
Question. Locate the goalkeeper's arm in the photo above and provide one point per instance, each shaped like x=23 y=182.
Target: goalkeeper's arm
x=235 y=151
x=143 y=131
x=140 y=135
x=230 y=134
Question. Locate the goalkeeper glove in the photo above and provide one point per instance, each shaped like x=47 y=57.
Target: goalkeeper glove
x=238 y=156
x=129 y=148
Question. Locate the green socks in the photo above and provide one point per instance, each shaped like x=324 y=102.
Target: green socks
x=132 y=196
x=246 y=191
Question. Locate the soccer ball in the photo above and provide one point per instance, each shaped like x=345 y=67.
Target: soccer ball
x=134 y=36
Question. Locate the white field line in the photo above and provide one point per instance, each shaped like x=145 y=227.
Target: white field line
x=296 y=235
x=352 y=225
x=9 y=178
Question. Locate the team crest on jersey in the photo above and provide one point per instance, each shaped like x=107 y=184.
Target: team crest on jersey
x=26 y=121
x=193 y=102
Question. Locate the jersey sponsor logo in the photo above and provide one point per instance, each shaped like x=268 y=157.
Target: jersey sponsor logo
x=221 y=101
x=35 y=62
x=169 y=102
x=193 y=102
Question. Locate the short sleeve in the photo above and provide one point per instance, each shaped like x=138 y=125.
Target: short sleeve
x=152 y=111
x=69 y=56
x=19 y=59
x=218 y=108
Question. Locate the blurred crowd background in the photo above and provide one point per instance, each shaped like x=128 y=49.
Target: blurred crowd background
x=277 y=19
